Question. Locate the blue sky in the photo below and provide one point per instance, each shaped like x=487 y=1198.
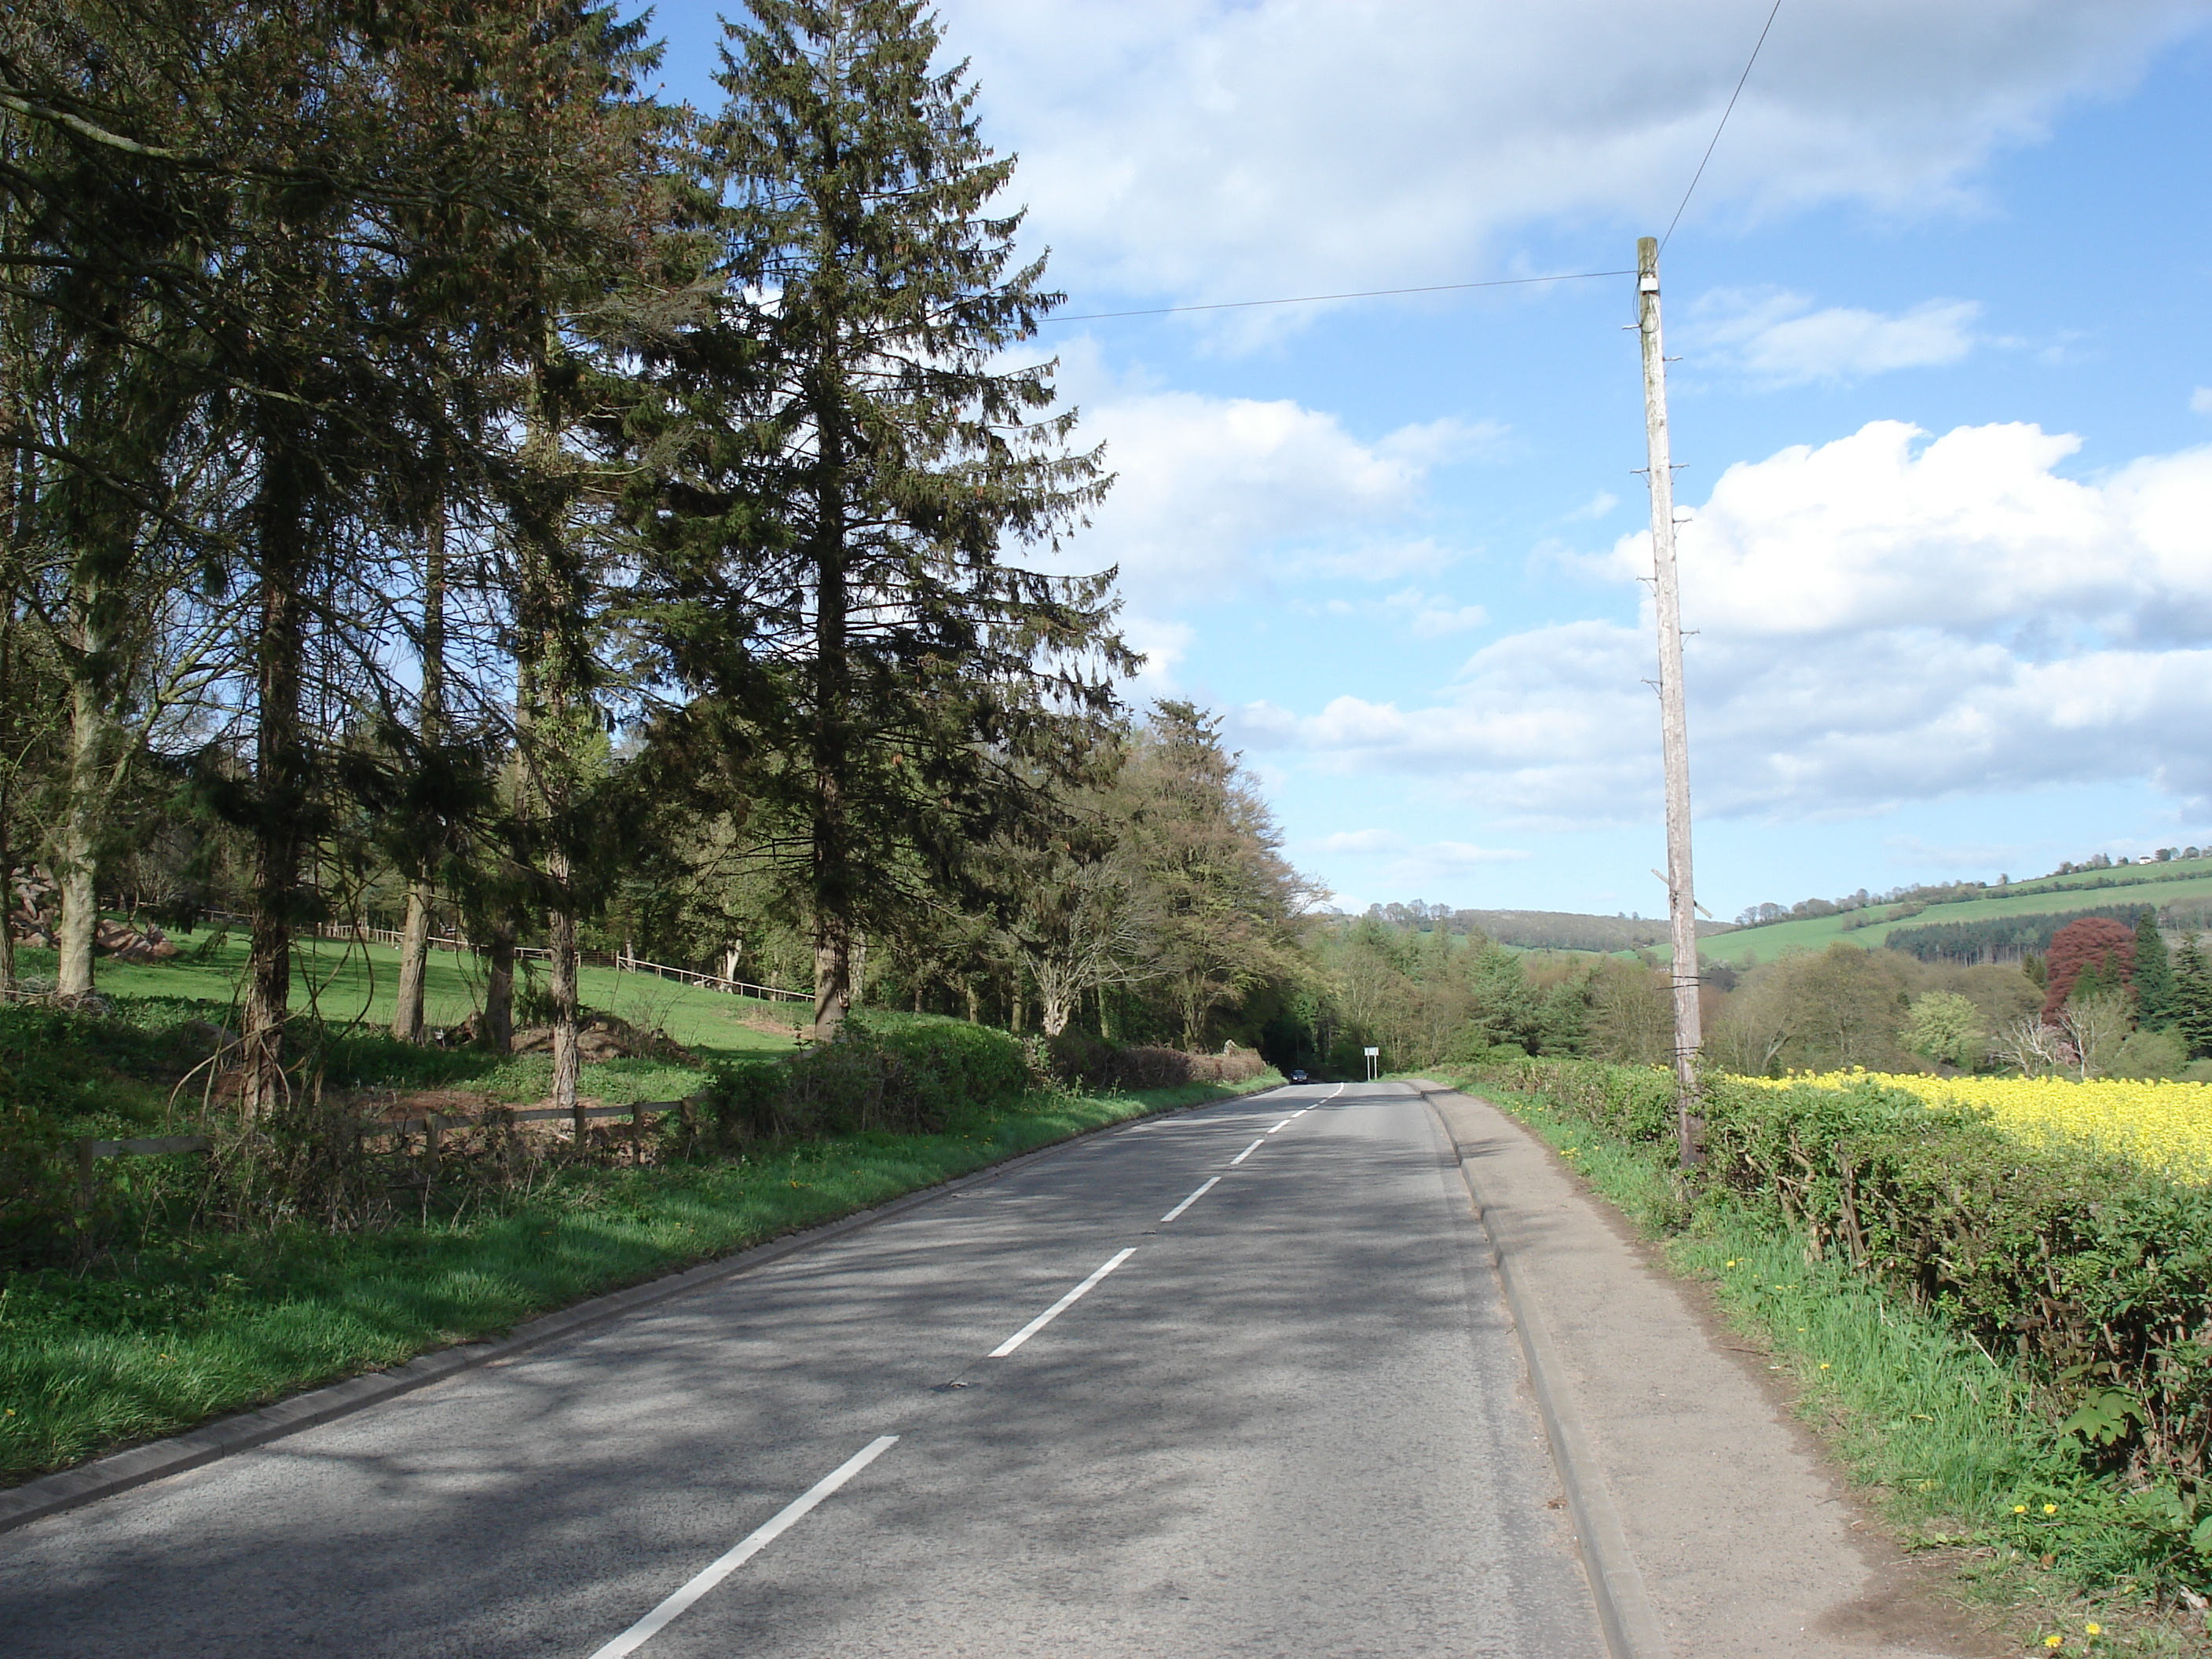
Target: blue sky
x=1945 y=408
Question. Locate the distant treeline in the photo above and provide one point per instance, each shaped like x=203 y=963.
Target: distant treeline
x=2000 y=938
x=1538 y=930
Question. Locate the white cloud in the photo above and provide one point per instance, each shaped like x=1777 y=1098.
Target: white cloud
x=1411 y=866
x=1223 y=498
x=1596 y=508
x=1362 y=843
x=1212 y=149
x=2201 y=400
x=1880 y=619
x=1777 y=339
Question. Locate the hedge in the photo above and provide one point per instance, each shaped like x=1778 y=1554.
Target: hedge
x=2091 y=1273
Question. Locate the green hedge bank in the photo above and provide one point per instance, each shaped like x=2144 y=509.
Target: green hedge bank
x=2086 y=1279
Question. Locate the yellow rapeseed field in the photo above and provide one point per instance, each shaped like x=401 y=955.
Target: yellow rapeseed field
x=2165 y=1126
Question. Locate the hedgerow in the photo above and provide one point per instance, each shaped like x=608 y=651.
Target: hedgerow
x=2089 y=1275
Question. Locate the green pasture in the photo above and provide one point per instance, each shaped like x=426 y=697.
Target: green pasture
x=2020 y=899
x=353 y=983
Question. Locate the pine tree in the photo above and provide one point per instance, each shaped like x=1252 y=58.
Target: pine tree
x=902 y=691
x=2153 y=975
x=2192 y=997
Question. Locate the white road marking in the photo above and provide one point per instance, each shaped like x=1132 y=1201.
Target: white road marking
x=1246 y=1152
x=1059 y=1307
x=755 y=1542
x=1188 y=1202
x=1286 y=1123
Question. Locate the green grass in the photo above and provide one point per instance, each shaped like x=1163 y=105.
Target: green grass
x=1941 y=1435
x=349 y=984
x=2159 y=884
x=153 y=1342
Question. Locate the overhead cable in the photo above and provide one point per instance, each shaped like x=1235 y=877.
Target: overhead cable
x=1717 y=130
x=1311 y=299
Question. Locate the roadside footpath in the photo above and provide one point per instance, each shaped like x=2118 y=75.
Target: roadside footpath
x=1747 y=1542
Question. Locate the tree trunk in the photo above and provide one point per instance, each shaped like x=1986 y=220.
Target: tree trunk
x=833 y=986
x=415 y=934
x=280 y=768
x=76 y=841
x=561 y=936
x=497 y=1031
x=1052 y=1013
x=975 y=1008
x=834 y=895
x=413 y=962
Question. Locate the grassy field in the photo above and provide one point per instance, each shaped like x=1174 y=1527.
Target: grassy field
x=2161 y=884
x=358 y=983
x=149 y=1341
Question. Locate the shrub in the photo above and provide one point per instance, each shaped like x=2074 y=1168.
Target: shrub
x=895 y=1073
x=2094 y=1273
x=37 y=1202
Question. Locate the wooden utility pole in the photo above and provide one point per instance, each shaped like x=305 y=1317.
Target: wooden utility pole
x=1674 y=722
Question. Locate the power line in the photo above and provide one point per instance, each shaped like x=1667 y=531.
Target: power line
x=1365 y=293
x=1717 y=130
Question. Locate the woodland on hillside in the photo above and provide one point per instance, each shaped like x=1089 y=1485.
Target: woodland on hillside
x=2104 y=1000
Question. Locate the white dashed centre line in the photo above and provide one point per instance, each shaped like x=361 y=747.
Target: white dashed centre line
x=1246 y=1152
x=755 y=1542
x=1286 y=1123
x=1059 y=1307
x=1188 y=1202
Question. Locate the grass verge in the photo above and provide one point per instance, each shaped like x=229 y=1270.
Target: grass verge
x=1938 y=1434
x=154 y=1342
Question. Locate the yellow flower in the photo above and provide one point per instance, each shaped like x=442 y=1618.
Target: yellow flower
x=2164 y=1125
x=2050 y=1509
x=2054 y=1641
x=2094 y=1628
x=1824 y=1364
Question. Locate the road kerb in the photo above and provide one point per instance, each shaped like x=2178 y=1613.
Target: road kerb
x=105 y=1477
x=1624 y=1611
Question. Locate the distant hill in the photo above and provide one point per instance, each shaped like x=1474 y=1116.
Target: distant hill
x=1541 y=930
x=1564 y=930
x=1989 y=921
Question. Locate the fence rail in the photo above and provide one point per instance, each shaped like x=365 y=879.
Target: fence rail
x=432 y=1126
x=621 y=961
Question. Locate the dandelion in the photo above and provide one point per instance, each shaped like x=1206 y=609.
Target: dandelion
x=2050 y=1509
x=1824 y=1364
x=2054 y=1641
x=2020 y=1509
x=2094 y=1628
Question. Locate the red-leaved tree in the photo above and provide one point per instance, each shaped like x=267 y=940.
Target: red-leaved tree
x=2092 y=942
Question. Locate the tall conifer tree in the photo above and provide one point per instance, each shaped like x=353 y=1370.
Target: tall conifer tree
x=906 y=690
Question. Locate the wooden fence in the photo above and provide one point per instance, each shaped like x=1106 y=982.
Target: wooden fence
x=619 y=961
x=432 y=1126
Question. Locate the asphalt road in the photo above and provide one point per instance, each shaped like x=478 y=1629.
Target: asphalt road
x=1290 y=1419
